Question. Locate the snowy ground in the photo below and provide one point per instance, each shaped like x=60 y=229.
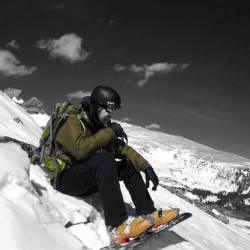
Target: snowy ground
x=33 y=215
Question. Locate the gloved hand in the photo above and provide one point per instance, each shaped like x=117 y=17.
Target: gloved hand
x=117 y=128
x=151 y=176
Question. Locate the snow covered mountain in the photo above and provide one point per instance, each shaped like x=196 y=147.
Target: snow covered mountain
x=32 y=106
x=212 y=185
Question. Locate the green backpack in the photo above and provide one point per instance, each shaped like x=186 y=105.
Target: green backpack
x=51 y=157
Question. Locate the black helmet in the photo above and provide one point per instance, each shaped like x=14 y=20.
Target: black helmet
x=105 y=96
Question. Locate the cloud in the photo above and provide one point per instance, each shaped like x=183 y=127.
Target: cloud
x=161 y=68
x=144 y=72
x=13 y=45
x=153 y=126
x=11 y=66
x=78 y=94
x=119 y=68
x=67 y=47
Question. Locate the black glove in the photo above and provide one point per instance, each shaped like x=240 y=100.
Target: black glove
x=117 y=128
x=151 y=176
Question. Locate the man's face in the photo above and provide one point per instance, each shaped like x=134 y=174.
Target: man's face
x=105 y=114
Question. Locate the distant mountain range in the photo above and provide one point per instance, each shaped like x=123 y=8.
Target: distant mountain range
x=32 y=106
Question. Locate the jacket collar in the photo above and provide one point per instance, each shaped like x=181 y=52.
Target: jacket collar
x=90 y=114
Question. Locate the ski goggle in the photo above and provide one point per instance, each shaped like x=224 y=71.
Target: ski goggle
x=109 y=108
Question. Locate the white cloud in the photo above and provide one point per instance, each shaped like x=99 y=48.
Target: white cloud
x=161 y=68
x=119 y=68
x=11 y=66
x=13 y=45
x=78 y=94
x=67 y=47
x=183 y=66
x=136 y=69
x=153 y=126
x=144 y=72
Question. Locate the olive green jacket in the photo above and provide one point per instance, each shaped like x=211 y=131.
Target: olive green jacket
x=77 y=139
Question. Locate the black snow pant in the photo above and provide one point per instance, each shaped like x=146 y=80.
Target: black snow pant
x=101 y=173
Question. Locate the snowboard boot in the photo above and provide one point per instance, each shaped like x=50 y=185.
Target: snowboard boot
x=130 y=228
x=160 y=217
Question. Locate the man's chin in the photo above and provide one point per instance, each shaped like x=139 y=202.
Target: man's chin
x=106 y=122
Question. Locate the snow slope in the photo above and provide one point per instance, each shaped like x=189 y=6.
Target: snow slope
x=33 y=214
x=25 y=219
x=190 y=163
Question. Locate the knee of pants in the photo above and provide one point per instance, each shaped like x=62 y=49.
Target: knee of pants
x=126 y=171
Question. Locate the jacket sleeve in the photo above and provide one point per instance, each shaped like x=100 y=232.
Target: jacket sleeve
x=73 y=137
x=137 y=160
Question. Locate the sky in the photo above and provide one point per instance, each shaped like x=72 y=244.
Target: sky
x=181 y=67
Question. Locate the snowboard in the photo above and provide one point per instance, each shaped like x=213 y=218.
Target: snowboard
x=132 y=243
